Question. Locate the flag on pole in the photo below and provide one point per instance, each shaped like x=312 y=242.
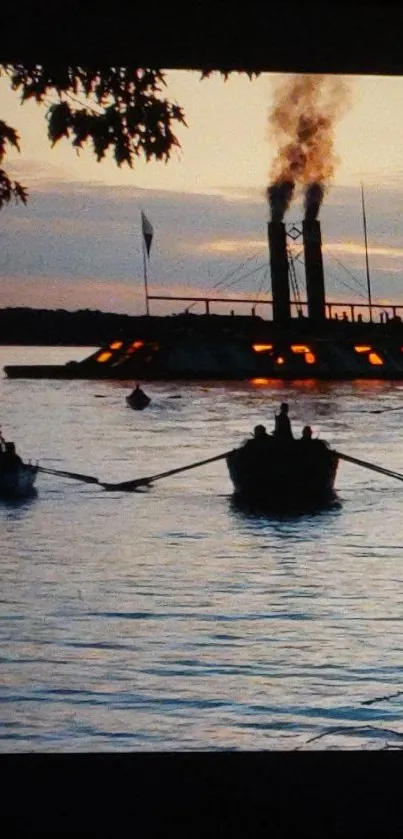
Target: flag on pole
x=148 y=232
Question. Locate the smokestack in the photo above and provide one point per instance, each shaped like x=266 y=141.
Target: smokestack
x=279 y=272
x=315 y=280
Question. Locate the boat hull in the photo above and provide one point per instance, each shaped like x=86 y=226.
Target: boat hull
x=138 y=403
x=293 y=475
x=18 y=483
x=49 y=371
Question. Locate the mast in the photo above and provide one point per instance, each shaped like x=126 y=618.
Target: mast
x=366 y=253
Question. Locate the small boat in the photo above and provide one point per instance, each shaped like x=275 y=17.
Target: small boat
x=291 y=474
x=18 y=482
x=137 y=399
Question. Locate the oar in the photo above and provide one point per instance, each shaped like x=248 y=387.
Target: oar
x=373 y=466
x=75 y=476
x=384 y=410
x=131 y=486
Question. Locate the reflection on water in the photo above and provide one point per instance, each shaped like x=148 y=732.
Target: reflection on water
x=174 y=619
x=245 y=510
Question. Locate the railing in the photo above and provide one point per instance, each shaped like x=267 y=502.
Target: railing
x=352 y=312
x=208 y=300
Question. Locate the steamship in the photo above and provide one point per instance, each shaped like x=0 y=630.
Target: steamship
x=304 y=341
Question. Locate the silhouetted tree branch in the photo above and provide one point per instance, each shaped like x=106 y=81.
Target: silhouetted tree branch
x=9 y=189
x=121 y=110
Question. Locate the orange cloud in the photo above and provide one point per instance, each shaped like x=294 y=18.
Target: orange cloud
x=354 y=249
x=357 y=249
x=244 y=246
x=224 y=246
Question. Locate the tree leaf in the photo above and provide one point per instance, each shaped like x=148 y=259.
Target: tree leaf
x=59 y=121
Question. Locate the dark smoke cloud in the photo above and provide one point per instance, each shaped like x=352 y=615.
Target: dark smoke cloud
x=305 y=110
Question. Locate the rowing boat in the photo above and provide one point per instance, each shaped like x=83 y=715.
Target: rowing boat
x=18 y=482
x=283 y=474
x=138 y=400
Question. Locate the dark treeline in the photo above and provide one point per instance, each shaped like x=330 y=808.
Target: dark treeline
x=47 y=327
x=87 y=328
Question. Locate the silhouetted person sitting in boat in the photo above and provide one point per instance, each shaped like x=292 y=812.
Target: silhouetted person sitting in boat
x=314 y=444
x=260 y=438
x=282 y=424
x=307 y=433
x=307 y=440
x=10 y=460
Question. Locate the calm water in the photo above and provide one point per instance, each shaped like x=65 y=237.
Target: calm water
x=168 y=620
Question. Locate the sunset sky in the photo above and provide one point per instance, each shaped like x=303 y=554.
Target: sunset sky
x=77 y=244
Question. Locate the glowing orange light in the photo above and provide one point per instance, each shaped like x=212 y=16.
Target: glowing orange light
x=262 y=347
x=310 y=358
x=374 y=358
x=260 y=381
x=280 y=360
x=299 y=348
x=134 y=346
x=362 y=348
x=104 y=357
x=116 y=345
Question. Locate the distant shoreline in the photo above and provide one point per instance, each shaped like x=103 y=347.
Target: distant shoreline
x=28 y=327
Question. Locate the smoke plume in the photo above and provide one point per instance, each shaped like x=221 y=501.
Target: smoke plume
x=305 y=111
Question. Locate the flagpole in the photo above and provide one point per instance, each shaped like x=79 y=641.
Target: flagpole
x=145 y=274
x=366 y=252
